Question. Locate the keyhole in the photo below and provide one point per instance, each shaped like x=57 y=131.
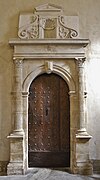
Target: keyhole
x=46 y=112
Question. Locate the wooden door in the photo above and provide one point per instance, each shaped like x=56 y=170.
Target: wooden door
x=49 y=122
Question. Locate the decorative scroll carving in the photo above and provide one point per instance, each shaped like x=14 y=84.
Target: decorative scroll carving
x=64 y=31
x=31 y=30
x=49 y=25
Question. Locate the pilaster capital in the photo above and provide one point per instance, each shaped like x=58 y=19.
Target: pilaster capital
x=18 y=61
x=80 y=61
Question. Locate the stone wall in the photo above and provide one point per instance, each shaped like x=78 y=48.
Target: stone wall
x=3 y=168
x=88 y=12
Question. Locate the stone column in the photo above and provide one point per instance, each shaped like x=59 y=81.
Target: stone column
x=18 y=113
x=82 y=129
x=17 y=140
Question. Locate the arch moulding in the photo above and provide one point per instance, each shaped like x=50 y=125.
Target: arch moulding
x=43 y=69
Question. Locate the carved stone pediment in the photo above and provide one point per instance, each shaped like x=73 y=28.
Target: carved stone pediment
x=48 y=21
x=48 y=7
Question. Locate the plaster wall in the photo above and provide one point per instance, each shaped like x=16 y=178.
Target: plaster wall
x=88 y=12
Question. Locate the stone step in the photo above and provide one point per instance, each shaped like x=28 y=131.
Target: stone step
x=49 y=174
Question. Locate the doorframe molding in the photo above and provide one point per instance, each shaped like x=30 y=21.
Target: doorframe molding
x=57 y=70
x=72 y=93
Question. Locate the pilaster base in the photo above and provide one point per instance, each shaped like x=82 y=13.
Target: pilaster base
x=84 y=166
x=15 y=168
x=17 y=155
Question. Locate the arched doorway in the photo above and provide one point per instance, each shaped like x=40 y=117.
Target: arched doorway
x=49 y=122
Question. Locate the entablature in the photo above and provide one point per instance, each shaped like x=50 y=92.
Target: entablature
x=49 y=48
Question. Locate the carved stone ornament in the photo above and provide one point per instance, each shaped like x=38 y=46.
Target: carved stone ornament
x=18 y=62
x=80 y=61
x=31 y=29
x=49 y=66
x=64 y=31
x=42 y=25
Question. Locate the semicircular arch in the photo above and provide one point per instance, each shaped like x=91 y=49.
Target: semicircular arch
x=56 y=69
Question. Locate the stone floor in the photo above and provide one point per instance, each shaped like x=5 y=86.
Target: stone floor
x=48 y=174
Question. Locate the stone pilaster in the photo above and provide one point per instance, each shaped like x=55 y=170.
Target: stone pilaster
x=84 y=165
x=16 y=138
x=18 y=114
x=82 y=129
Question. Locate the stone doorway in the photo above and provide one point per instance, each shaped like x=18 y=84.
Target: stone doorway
x=63 y=54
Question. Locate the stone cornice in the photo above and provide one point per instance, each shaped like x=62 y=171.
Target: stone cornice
x=49 y=48
x=80 y=42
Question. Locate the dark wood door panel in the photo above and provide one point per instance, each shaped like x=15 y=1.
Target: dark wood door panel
x=49 y=159
x=49 y=121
